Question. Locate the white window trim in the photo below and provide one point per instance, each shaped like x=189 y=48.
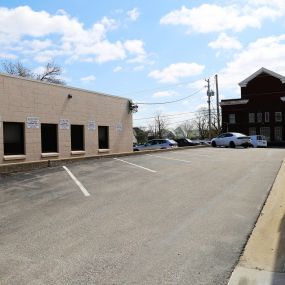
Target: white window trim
x=233 y=117
x=251 y=121
x=276 y=116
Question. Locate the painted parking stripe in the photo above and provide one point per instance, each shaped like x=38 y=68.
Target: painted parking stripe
x=136 y=165
x=182 y=160
x=77 y=182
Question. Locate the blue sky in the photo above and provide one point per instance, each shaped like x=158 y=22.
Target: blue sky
x=150 y=51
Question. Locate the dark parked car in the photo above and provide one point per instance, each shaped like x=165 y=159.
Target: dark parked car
x=185 y=142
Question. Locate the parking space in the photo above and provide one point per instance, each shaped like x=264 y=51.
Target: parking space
x=178 y=217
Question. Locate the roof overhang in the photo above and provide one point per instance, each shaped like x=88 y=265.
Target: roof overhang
x=234 y=102
x=258 y=72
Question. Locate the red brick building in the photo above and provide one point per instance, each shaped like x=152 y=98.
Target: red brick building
x=261 y=108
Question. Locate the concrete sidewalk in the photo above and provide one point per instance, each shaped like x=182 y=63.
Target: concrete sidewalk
x=263 y=261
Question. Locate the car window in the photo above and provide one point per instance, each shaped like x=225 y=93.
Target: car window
x=153 y=142
x=228 y=135
x=221 y=136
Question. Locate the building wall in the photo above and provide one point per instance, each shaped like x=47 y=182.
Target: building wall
x=264 y=93
x=21 y=98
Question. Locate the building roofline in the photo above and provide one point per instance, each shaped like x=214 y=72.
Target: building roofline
x=62 y=86
x=258 y=72
x=231 y=102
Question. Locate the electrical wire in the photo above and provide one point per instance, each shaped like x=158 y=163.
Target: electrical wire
x=169 y=102
x=174 y=115
x=158 y=88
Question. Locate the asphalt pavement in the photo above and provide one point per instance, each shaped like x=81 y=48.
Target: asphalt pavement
x=178 y=217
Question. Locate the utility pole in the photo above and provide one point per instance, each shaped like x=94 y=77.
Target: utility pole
x=218 y=103
x=209 y=94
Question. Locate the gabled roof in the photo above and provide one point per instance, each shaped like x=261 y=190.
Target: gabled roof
x=258 y=72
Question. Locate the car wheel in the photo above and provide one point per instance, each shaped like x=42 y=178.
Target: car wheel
x=214 y=144
x=245 y=146
x=232 y=144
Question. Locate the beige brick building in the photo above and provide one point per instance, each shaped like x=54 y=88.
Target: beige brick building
x=45 y=121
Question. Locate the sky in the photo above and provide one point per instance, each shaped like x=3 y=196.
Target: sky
x=148 y=51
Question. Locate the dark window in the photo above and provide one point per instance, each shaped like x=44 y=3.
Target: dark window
x=13 y=138
x=232 y=118
x=77 y=137
x=278 y=116
x=251 y=117
x=49 y=137
x=103 y=134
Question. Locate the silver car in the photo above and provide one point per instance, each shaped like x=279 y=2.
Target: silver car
x=156 y=144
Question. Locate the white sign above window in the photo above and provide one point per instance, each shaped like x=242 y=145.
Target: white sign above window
x=91 y=126
x=33 y=123
x=64 y=124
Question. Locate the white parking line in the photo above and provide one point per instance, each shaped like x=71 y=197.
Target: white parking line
x=150 y=170
x=77 y=182
x=182 y=160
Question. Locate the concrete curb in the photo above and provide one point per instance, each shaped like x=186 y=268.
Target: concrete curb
x=262 y=262
x=9 y=168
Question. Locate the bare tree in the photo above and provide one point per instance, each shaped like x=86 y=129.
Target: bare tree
x=160 y=124
x=16 y=68
x=51 y=72
x=201 y=122
x=187 y=128
x=158 y=129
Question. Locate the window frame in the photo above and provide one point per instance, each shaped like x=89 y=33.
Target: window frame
x=83 y=137
x=22 y=137
x=232 y=119
x=57 y=142
x=251 y=118
x=276 y=116
x=108 y=138
x=266 y=117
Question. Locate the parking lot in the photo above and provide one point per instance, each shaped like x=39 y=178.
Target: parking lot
x=175 y=217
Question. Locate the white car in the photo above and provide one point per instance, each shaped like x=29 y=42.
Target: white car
x=231 y=140
x=258 y=141
x=156 y=144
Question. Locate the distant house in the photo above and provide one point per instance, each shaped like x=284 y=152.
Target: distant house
x=261 y=108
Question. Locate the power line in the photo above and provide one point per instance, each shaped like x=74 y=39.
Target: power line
x=169 y=102
x=158 y=88
x=173 y=115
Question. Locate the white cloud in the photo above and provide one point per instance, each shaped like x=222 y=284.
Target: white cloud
x=225 y=42
x=265 y=52
x=208 y=18
x=139 y=68
x=133 y=14
x=164 y=94
x=117 y=69
x=87 y=79
x=176 y=71
x=135 y=46
x=43 y=36
x=4 y=55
